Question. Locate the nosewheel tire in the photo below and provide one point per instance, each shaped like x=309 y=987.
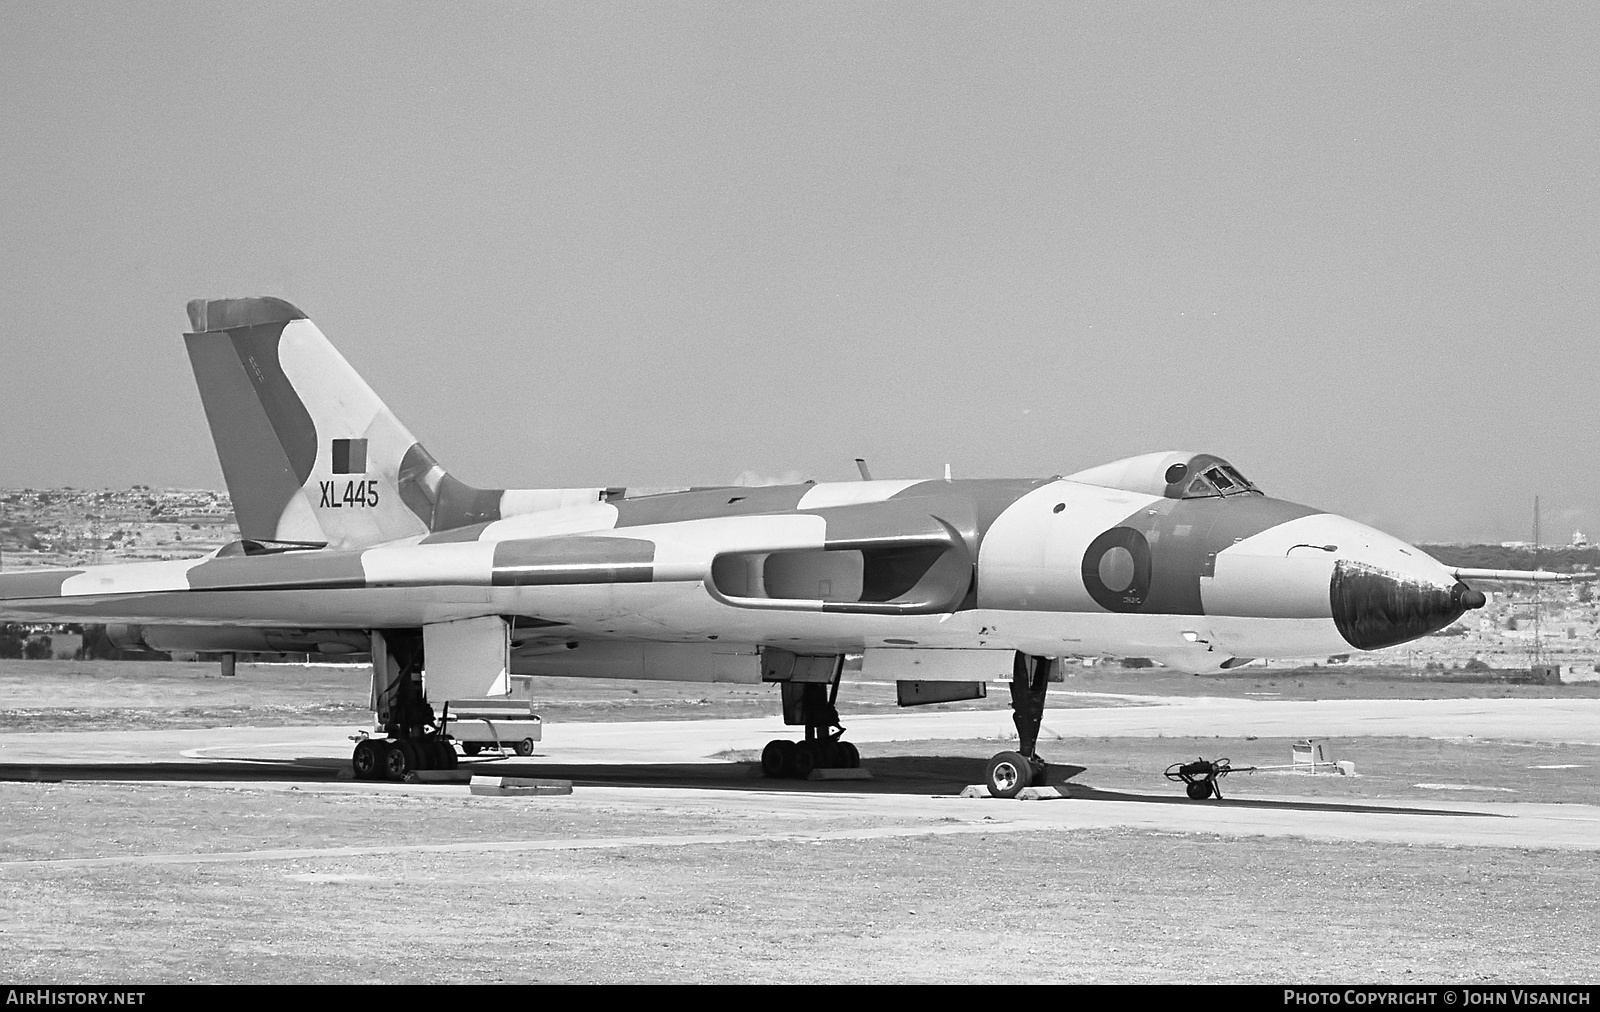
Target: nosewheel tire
x=1007 y=774
x=1041 y=773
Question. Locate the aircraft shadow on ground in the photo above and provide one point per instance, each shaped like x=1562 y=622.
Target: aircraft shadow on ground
x=924 y=775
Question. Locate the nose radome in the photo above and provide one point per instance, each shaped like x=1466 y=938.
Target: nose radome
x=1375 y=606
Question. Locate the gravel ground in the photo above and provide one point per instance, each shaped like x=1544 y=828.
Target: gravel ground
x=738 y=885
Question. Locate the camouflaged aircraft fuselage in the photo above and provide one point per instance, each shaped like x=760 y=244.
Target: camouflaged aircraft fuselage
x=349 y=525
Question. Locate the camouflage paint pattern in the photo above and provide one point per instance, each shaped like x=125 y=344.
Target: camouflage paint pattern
x=1138 y=553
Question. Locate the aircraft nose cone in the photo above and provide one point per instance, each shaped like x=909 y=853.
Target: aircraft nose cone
x=1375 y=608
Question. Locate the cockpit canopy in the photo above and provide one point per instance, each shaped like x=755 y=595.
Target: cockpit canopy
x=1173 y=474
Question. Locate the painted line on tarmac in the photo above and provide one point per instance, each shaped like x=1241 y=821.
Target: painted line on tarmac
x=202 y=751
x=517 y=846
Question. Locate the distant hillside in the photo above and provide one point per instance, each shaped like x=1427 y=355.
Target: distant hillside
x=1563 y=559
x=69 y=526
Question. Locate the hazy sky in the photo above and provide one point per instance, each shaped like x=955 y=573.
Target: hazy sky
x=1352 y=248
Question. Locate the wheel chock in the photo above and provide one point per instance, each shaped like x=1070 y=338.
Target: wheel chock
x=855 y=774
x=507 y=787
x=439 y=777
x=1026 y=794
x=1039 y=794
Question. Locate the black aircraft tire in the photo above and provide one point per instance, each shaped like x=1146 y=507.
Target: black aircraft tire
x=1007 y=774
x=447 y=752
x=1199 y=790
x=773 y=759
x=1041 y=773
x=395 y=764
x=525 y=747
x=803 y=760
x=367 y=760
x=409 y=751
x=849 y=756
x=471 y=747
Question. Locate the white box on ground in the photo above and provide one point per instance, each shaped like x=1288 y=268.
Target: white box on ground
x=518 y=786
x=1311 y=753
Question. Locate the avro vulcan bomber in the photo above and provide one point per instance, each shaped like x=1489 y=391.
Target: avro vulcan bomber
x=353 y=538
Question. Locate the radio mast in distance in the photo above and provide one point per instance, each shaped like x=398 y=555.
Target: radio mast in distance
x=1538 y=593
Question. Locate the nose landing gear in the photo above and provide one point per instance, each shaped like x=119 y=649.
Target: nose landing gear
x=1009 y=772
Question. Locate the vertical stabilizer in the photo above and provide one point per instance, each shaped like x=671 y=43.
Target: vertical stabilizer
x=309 y=452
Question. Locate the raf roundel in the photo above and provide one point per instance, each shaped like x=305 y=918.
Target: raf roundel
x=1116 y=569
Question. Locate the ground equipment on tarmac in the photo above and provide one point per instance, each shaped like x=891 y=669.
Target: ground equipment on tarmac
x=1202 y=778
x=499 y=724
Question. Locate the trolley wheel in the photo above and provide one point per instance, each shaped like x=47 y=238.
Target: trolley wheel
x=525 y=747
x=367 y=759
x=471 y=747
x=1007 y=774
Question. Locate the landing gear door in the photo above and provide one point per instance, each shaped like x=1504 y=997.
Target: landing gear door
x=469 y=659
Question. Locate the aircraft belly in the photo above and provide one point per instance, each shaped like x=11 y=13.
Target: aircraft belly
x=1138 y=635
x=1279 y=637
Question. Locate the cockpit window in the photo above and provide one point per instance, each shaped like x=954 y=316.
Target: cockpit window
x=1219 y=480
x=1244 y=484
x=1200 y=487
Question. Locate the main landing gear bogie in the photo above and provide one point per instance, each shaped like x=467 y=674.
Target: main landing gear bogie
x=387 y=759
x=784 y=758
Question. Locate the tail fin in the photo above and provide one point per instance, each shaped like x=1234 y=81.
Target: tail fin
x=309 y=452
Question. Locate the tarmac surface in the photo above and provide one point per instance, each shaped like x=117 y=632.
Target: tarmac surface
x=673 y=766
